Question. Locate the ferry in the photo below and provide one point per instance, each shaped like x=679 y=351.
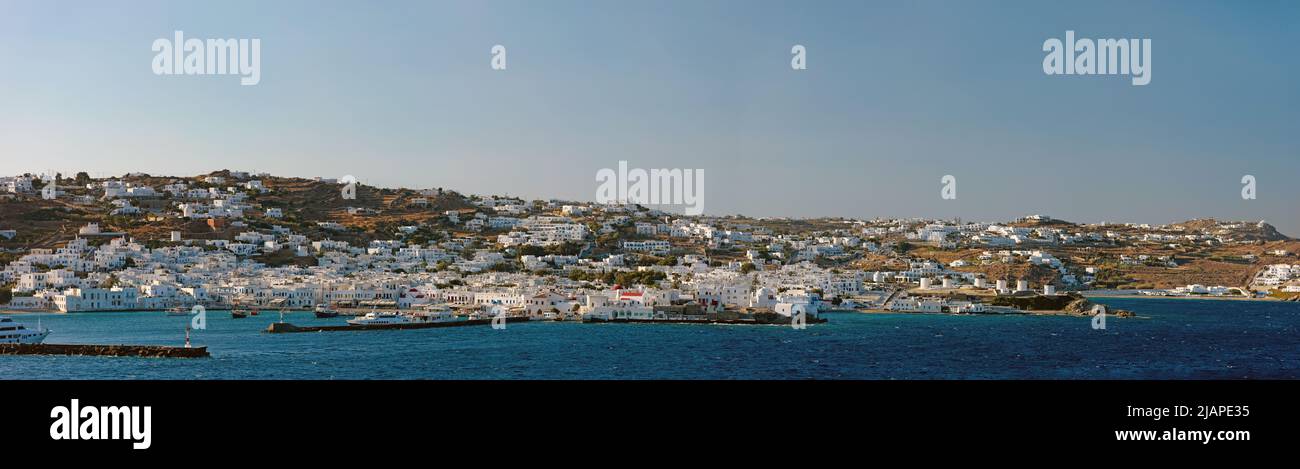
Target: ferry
x=381 y=318
x=15 y=333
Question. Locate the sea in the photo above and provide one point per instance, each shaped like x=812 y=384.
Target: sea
x=1171 y=339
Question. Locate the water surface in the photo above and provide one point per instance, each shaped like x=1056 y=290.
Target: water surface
x=1182 y=339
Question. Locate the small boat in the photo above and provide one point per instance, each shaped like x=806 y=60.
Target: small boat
x=238 y=314
x=178 y=311
x=15 y=333
x=323 y=312
x=253 y=313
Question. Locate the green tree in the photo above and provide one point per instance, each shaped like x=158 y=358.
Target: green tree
x=532 y=250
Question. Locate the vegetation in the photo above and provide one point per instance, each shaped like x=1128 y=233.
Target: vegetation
x=284 y=257
x=504 y=267
x=565 y=249
x=619 y=278
x=1111 y=278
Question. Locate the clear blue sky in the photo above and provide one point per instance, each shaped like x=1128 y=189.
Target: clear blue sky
x=896 y=95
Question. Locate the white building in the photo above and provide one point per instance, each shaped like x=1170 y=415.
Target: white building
x=653 y=246
x=16 y=185
x=97 y=299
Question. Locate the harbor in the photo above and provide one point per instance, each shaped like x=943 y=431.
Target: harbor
x=1255 y=338
x=778 y=321
x=284 y=327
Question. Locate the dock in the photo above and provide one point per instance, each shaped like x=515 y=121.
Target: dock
x=146 y=351
x=284 y=327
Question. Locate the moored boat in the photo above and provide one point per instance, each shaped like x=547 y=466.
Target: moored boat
x=323 y=312
x=433 y=313
x=16 y=333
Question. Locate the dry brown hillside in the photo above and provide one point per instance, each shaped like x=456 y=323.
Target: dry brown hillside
x=319 y=201
x=42 y=223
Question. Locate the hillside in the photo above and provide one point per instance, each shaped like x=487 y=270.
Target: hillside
x=304 y=202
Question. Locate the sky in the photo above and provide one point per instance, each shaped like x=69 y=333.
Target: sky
x=896 y=95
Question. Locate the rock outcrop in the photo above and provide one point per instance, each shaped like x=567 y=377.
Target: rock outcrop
x=1083 y=307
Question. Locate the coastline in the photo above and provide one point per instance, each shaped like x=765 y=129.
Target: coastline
x=1111 y=294
x=14 y=312
x=1000 y=311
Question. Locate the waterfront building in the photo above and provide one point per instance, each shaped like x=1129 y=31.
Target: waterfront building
x=97 y=299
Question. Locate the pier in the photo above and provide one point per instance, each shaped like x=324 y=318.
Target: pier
x=284 y=327
x=147 y=351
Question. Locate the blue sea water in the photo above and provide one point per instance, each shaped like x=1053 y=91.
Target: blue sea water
x=1177 y=339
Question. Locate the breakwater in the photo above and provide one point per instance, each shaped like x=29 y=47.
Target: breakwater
x=148 y=351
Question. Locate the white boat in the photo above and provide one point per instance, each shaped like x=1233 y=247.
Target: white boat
x=16 y=333
x=381 y=318
x=434 y=314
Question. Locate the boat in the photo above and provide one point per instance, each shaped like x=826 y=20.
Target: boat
x=253 y=313
x=236 y=312
x=178 y=311
x=438 y=313
x=16 y=333
x=323 y=312
x=382 y=317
